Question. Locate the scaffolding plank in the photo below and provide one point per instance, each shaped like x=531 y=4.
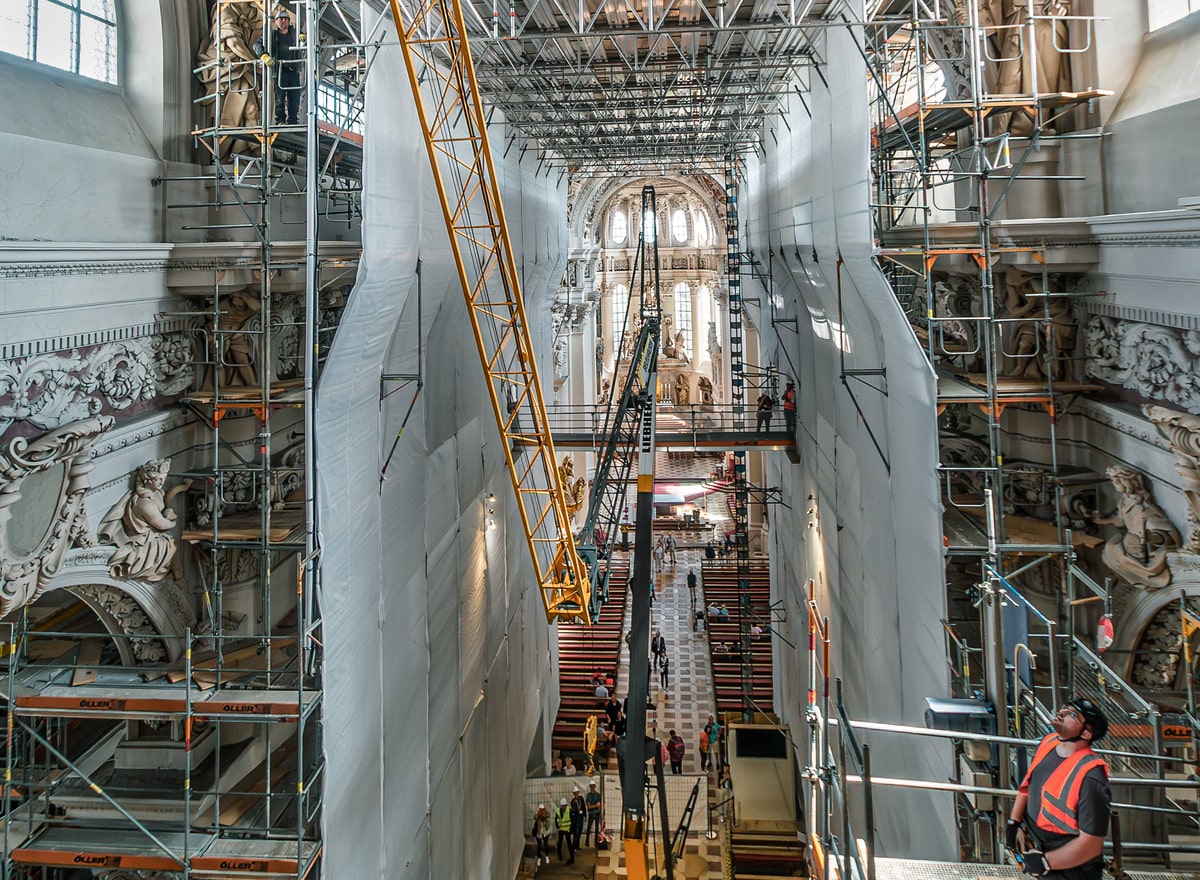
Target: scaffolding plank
x=109 y=848
x=1035 y=388
x=206 y=677
x=288 y=391
x=248 y=527
x=89 y=659
x=122 y=702
x=951 y=389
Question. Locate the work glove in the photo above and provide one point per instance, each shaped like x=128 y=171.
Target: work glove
x=1010 y=834
x=266 y=59
x=1034 y=864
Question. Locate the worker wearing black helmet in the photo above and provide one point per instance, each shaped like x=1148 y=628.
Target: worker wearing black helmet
x=1065 y=799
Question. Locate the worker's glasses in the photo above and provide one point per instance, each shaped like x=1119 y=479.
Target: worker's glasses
x=1079 y=708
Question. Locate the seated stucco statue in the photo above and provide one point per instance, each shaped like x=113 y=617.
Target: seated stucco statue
x=1011 y=60
x=574 y=489
x=229 y=67
x=140 y=525
x=1138 y=552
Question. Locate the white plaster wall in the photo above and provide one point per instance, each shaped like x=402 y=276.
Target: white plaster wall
x=77 y=166
x=876 y=551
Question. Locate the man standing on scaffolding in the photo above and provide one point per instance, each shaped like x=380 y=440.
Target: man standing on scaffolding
x=1066 y=794
x=277 y=48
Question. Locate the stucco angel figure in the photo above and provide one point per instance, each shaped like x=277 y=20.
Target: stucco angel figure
x=681 y=347
x=1138 y=553
x=140 y=524
x=228 y=65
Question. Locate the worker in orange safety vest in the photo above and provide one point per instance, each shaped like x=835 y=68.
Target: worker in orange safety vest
x=789 y=408
x=1066 y=795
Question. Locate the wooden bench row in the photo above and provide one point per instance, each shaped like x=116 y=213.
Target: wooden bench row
x=583 y=651
x=721 y=587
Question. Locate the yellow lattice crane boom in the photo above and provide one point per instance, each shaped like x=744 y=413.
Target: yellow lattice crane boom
x=434 y=42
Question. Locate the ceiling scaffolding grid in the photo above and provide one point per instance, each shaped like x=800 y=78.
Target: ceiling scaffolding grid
x=678 y=84
x=950 y=138
x=235 y=712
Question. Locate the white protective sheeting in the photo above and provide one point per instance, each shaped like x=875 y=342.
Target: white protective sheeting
x=437 y=671
x=875 y=549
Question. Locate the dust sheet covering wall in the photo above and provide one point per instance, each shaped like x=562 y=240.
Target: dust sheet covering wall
x=872 y=543
x=437 y=655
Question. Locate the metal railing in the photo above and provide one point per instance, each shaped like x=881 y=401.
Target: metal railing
x=696 y=419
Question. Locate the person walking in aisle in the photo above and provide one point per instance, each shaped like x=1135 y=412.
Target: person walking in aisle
x=658 y=647
x=675 y=751
x=664 y=673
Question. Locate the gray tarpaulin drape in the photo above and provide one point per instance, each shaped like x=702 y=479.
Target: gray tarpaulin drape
x=876 y=555
x=437 y=648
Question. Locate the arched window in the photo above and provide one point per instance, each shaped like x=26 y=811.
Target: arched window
x=620 y=227
x=679 y=226
x=700 y=221
x=78 y=36
x=620 y=305
x=649 y=227
x=704 y=312
x=683 y=315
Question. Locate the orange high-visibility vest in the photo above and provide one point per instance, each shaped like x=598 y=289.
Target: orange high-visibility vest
x=1058 y=813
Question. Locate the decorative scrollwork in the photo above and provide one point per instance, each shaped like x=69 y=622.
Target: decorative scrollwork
x=55 y=389
x=144 y=640
x=29 y=560
x=1159 y=363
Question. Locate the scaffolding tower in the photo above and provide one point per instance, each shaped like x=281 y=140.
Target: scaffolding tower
x=211 y=763
x=968 y=112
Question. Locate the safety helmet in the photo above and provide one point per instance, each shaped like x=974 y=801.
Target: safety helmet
x=1092 y=717
x=563 y=802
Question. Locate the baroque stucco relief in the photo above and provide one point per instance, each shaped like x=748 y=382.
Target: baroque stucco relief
x=1157 y=362
x=55 y=389
x=43 y=482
